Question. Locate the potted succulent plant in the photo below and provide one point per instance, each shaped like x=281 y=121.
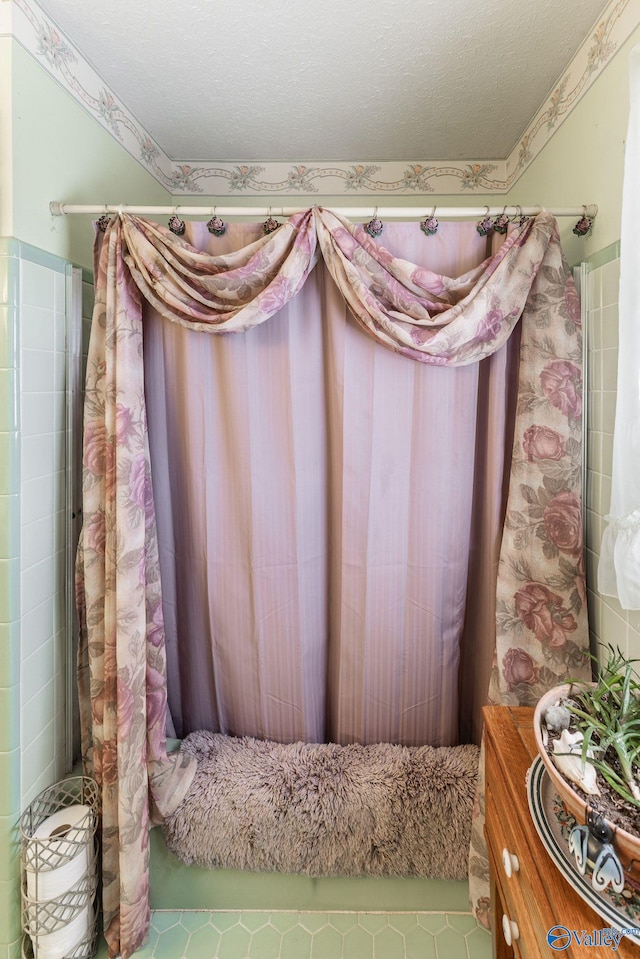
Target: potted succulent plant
x=588 y=736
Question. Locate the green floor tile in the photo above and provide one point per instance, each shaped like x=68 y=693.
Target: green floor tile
x=296 y=944
x=152 y=938
x=313 y=921
x=199 y=934
x=403 y=923
x=388 y=944
x=174 y=942
x=192 y=921
x=420 y=944
x=343 y=921
x=284 y=921
x=479 y=944
x=451 y=944
x=432 y=921
x=147 y=952
x=224 y=920
x=234 y=944
x=203 y=943
x=462 y=923
x=358 y=944
x=252 y=921
x=265 y=944
x=327 y=944
x=372 y=921
x=161 y=921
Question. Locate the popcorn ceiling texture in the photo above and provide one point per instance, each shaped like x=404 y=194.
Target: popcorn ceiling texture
x=250 y=81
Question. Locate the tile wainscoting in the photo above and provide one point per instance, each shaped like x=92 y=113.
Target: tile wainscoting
x=610 y=624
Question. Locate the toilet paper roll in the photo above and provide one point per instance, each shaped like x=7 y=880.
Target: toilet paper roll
x=58 y=944
x=59 y=853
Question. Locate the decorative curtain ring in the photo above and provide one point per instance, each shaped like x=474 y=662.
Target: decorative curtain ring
x=176 y=225
x=501 y=222
x=584 y=224
x=521 y=217
x=429 y=225
x=375 y=226
x=269 y=224
x=484 y=226
x=103 y=221
x=216 y=225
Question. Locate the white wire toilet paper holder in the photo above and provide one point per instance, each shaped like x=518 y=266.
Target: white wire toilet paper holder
x=59 y=873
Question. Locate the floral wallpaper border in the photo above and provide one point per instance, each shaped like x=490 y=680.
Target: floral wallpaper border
x=39 y=35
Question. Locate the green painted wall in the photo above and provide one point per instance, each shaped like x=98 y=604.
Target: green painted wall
x=61 y=153
x=425 y=201
x=583 y=162
x=6 y=155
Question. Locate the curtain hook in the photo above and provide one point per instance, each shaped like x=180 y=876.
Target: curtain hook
x=269 y=224
x=176 y=225
x=429 y=225
x=584 y=225
x=484 y=225
x=216 y=226
x=103 y=221
x=501 y=222
x=374 y=226
x=522 y=218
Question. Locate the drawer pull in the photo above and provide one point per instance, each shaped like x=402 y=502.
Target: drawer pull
x=510 y=930
x=510 y=863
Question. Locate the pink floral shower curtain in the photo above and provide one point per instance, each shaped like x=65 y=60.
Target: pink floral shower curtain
x=434 y=319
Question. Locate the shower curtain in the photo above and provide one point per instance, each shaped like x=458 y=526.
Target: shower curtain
x=315 y=532
x=452 y=315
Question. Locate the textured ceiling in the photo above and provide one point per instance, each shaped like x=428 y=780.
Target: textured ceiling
x=250 y=80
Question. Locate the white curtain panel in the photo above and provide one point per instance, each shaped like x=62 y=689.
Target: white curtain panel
x=619 y=568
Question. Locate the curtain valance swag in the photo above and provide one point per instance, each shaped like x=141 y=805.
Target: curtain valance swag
x=431 y=318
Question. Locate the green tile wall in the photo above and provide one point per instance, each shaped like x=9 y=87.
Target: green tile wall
x=176 y=886
x=32 y=482
x=9 y=596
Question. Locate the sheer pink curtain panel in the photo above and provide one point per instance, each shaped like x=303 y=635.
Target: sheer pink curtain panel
x=315 y=530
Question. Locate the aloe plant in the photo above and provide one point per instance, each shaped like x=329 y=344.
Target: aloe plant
x=608 y=716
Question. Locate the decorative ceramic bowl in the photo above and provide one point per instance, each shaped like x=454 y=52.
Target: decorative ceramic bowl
x=612 y=853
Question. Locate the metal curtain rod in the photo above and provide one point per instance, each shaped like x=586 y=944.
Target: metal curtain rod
x=384 y=212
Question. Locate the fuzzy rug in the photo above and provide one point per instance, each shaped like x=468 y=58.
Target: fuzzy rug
x=326 y=810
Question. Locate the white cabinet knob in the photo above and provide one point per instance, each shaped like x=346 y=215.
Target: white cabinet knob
x=509 y=930
x=510 y=863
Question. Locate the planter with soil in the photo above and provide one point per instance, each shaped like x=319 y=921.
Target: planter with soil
x=588 y=737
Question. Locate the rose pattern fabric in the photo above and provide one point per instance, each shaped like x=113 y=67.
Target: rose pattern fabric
x=541 y=613
x=519 y=667
x=563 y=523
x=541 y=616
x=539 y=442
x=562 y=385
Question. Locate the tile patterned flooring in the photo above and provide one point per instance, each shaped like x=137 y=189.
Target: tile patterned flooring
x=314 y=935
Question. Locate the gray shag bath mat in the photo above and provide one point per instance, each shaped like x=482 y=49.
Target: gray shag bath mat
x=326 y=810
